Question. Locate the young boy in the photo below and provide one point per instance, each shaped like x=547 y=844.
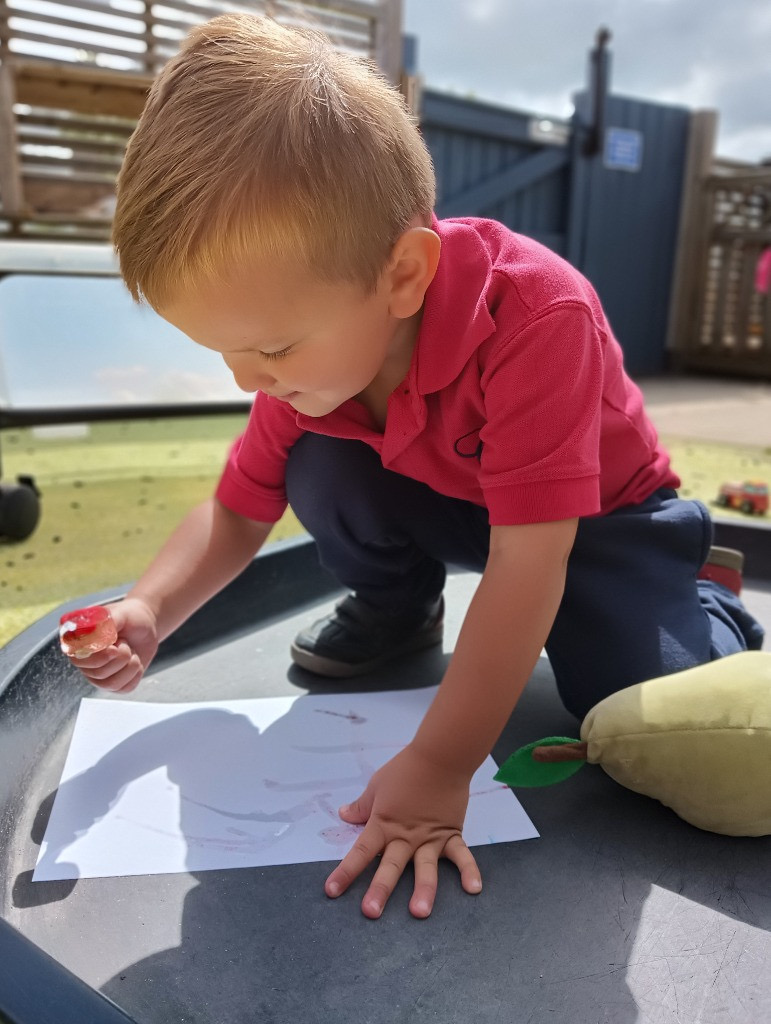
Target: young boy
x=426 y=392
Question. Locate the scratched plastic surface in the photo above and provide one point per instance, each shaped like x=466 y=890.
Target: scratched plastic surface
x=619 y=913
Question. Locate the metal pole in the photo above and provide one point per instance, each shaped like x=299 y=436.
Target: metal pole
x=599 y=77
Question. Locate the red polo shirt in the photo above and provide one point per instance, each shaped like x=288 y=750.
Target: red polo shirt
x=516 y=398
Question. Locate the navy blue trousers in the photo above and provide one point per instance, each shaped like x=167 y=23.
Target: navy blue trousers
x=632 y=608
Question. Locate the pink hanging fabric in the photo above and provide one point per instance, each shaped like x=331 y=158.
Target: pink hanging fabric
x=763 y=272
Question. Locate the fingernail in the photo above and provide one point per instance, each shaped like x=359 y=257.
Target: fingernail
x=422 y=908
x=333 y=889
x=475 y=885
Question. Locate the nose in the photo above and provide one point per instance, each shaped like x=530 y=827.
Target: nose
x=249 y=376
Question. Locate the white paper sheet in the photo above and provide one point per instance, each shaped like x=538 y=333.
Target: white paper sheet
x=158 y=788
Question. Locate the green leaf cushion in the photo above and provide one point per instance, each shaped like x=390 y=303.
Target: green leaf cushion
x=699 y=741
x=521 y=770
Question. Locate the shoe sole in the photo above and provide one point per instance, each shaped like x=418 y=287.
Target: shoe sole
x=726 y=558
x=332 y=669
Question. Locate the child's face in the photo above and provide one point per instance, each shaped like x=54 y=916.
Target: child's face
x=306 y=342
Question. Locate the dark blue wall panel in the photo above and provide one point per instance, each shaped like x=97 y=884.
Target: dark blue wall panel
x=624 y=236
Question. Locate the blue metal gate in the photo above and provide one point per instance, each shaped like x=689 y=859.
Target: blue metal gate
x=494 y=162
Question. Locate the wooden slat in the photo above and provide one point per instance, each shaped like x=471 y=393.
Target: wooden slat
x=76 y=143
x=103 y=126
x=47 y=132
x=387 y=40
x=332 y=15
x=138 y=56
x=58 y=221
x=341 y=25
x=66 y=198
x=41 y=231
x=728 y=233
x=203 y=12
x=47 y=173
x=81 y=90
x=356 y=8
x=356 y=29
x=751 y=176
x=11 y=188
x=38 y=67
x=17 y=11
x=90 y=27
x=109 y=163
x=357 y=33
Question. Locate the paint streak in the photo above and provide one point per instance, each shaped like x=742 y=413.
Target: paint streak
x=484 y=792
x=341 y=835
x=211 y=842
x=289 y=815
x=351 y=716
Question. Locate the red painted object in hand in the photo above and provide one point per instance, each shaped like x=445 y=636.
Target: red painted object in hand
x=86 y=631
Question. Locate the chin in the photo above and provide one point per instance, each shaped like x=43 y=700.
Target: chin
x=308 y=405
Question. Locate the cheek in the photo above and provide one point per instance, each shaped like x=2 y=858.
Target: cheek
x=318 y=371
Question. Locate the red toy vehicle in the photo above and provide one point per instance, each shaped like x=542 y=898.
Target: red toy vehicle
x=749 y=496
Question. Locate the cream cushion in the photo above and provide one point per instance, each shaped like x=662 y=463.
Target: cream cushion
x=699 y=741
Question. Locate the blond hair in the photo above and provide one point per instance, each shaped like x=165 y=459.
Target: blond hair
x=260 y=140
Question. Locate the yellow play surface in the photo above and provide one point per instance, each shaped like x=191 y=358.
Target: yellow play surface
x=112 y=493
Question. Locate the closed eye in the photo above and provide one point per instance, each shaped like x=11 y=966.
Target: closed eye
x=276 y=355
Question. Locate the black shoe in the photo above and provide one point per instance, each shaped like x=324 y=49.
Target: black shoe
x=357 y=638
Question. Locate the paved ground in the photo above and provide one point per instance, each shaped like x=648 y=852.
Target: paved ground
x=710 y=408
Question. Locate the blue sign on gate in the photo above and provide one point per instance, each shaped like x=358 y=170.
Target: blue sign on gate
x=623 y=149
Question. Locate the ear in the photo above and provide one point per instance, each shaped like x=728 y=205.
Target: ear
x=411 y=269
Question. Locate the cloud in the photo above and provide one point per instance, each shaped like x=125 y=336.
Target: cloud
x=139 y=385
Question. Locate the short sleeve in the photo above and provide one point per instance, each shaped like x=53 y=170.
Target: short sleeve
x=253 y=479
x=542 y=390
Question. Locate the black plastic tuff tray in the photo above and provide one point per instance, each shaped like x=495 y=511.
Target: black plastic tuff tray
x=619 y=913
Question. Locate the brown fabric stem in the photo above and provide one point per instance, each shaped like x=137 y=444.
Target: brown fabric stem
x=560 y=752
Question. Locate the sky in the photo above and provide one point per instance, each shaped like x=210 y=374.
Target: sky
x=75 y=360
x=532 y=55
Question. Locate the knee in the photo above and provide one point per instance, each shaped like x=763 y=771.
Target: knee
x=323 y=473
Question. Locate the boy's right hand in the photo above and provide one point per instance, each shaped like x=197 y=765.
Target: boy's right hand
x=119 y=668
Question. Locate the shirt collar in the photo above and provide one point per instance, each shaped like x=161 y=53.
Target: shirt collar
x=456 y=319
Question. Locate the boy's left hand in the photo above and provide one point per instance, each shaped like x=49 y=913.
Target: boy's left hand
x=414 y=810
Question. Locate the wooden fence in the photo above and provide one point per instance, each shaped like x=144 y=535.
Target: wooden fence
x=73 y=80
x=133 y=35
x=720 y=320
